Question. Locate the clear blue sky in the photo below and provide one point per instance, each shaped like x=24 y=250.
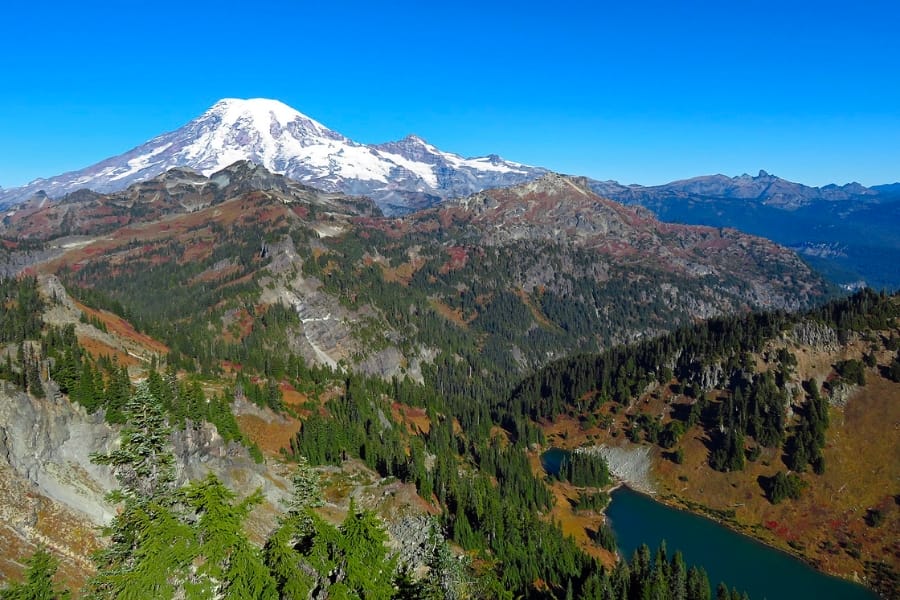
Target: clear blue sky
x=642 y=92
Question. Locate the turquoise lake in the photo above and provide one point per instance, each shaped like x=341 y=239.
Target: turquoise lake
x=761 y=571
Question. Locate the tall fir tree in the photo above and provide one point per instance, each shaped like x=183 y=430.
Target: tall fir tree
x=150 y=542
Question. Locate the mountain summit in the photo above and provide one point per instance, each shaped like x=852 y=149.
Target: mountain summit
x=399 y=176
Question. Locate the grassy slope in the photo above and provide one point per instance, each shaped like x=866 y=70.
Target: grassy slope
x=827 y=525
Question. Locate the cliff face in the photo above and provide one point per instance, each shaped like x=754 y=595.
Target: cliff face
x=48 y=444
x=51 y=492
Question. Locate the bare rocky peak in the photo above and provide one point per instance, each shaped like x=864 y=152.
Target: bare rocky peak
x=562 y=209
x=414 y=148
x=553 y=183
x=555 y=200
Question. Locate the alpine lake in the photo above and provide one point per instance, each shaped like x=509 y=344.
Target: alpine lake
x=763 y=572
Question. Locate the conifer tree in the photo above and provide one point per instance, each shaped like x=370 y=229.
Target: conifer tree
x=38 y=584
x=167 y=542
x=697 y=584
x=368 y=567
x=151 y=543
x=294 y=577
x=230 y=567
x=143 y=464
x=307 y=490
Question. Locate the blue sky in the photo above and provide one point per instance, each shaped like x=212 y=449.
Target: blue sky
x=643 y=92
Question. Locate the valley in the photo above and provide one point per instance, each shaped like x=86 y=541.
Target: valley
x=827 y=526
x=422 y=363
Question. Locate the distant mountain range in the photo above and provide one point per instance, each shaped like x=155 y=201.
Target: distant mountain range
x=764 y=188
x=848 y=231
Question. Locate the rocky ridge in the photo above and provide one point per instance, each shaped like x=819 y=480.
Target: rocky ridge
x=177 y=191
x=565 y=210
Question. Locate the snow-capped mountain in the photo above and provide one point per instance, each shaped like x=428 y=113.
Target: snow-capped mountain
x=399 y=175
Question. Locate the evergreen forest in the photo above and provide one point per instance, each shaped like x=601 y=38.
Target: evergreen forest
x=492 y=537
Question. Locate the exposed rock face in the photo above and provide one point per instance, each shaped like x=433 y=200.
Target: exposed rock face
x=711 y=377
x=412 y=537
x=630 y=465
x=50 y=493
x=45 y=468
x=841 y=394
x=815 y=335
x=49 y=442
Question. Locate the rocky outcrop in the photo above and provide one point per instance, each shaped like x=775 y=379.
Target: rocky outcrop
x=841 y=393
x=45 y=453
x=49 y=444
x=815 y=335
x=630 y=465
x=413 y=538
x=711 y=376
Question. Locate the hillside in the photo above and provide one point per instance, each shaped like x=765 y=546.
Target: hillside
x=779 y=426
x=337 y=425
x=537 y=271
x=839 y=531
x=77 y=404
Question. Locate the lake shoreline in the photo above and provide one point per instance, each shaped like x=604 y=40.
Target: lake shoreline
x=673 y=502
x=631 y=469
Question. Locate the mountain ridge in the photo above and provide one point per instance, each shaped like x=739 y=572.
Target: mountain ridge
x=847 y=231
x=765 y=187
x=558 y=234
x=178 y=190
x=400 y=175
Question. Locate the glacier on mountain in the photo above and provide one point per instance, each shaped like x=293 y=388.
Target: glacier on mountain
x=399 y=176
